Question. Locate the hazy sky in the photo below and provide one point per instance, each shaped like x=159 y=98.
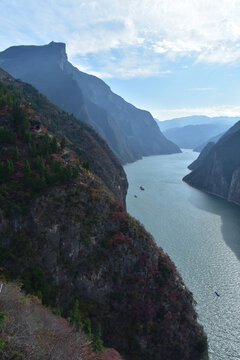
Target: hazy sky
x=171 y=57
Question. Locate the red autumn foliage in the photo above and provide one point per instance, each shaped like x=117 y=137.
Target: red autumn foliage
x=120 y=238
x=44 y=129
x=118 y=216
x=84 y=186
x=54 y=156
x=120 y=205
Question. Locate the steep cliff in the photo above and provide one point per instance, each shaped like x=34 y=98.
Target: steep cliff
x=205 y=151
x=130 y=132
x=218 y=167
x=71 y=242
x=79 y=137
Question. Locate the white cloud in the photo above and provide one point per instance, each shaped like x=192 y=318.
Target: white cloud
x=157 y=31
x=221 y=110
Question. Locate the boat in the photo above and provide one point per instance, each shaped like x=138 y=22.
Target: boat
x=135 y=196
x=141 y=187
x=217 y=293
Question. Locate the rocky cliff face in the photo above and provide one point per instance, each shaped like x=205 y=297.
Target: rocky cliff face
x=84 y=244
x=217 y=170
x=131 y=133
x=70 y=241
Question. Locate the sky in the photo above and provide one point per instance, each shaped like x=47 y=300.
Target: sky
x=172 y=57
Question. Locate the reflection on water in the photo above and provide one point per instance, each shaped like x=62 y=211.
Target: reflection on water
x=201 y=233
x=230 y=218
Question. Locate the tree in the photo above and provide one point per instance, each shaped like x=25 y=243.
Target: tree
x=27 y=169
x=97 y=343
x=39 y=164
x=16 y=153
x=63 y=143
x=86 y=165
x=54 y=145
x=9 y=168
x=74 y=315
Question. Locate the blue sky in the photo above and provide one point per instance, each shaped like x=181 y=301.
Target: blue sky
x=171 y=57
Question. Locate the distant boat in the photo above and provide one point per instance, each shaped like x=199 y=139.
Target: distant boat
x=135 y=196
x=142 y=187
x=217 y=293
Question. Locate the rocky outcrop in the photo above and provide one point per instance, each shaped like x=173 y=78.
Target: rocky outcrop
x=130 y=132
x=217 y=168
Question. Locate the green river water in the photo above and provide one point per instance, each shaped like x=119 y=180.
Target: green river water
x=201 y=234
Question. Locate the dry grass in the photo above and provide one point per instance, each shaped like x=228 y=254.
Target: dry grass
x=31 y=332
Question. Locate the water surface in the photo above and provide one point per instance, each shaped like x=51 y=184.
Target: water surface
x=201 y=233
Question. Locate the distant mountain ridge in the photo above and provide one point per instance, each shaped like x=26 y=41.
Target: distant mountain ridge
x=193 y=132
x=196 y=120
x=213 y=139
x=130 y=132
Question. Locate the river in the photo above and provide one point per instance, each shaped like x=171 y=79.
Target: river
x=201 y=234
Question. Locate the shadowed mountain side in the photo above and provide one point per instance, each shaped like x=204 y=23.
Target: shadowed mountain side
x=201 y=156
x=140 y=129
x=131 y=133
x=219 y=171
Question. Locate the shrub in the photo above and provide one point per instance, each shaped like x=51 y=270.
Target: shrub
x=120 y=238
x=97 y=343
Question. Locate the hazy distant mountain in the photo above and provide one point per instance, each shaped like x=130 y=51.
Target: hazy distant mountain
x=193 y=131
x=212 y=139
x=131 y=133
x=190 y=136
x=196 y=120
x=218 y=170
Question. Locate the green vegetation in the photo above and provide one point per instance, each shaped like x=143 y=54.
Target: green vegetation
x=6 y=136
x=30 y=162
x=74 y=315
x=2 y=318
x=97 y=343
x=6 y=169
x=84 y=324
x=33 y=332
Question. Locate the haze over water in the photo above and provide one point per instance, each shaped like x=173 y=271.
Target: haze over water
x=201 y=234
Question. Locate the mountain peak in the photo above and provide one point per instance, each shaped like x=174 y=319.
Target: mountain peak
x=53 y=48
x=57 y=45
